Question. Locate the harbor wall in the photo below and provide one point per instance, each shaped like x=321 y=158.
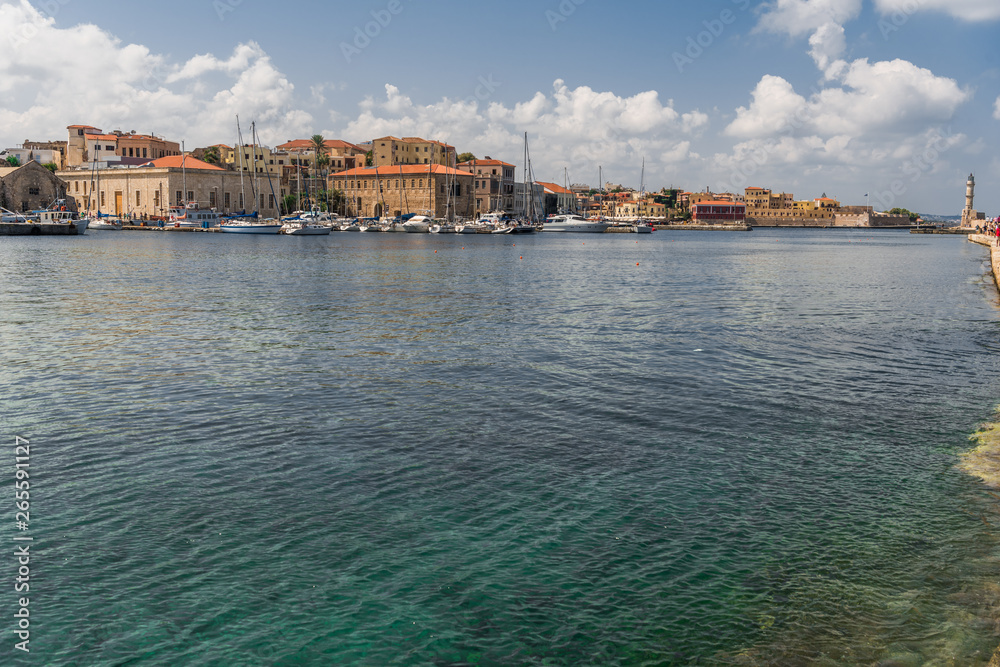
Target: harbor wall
x=990 y=242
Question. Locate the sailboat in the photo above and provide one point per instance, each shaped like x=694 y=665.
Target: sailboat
x=101 y=222
x=252 y=225
x=528 y=224
x=642 y=226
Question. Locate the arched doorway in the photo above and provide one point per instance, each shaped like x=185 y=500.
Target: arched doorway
x=378 y=210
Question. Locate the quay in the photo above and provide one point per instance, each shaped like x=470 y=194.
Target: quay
x=988 y=241
x=703 y=228
x=945 y=230
x=36 y=229
x=167 y=228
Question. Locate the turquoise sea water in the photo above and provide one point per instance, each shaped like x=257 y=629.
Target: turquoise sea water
x=388 y=449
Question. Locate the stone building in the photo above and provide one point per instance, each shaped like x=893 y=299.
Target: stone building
x=88 y=144
x=31 y=187
x=435 y=190
x=767 y=209
x=494 y=184
x=150 y=190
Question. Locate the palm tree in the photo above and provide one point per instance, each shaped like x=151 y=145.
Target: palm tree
x=318 y=144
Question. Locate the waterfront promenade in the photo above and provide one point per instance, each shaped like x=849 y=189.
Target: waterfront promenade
x=990 y=241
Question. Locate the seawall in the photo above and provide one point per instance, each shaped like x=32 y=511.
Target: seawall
x=989 y=241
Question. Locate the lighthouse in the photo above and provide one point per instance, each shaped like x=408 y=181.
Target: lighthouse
x=970 y=217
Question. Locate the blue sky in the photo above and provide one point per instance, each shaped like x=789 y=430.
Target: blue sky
x=896 y=98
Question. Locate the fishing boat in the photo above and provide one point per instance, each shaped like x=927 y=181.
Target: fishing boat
x=191 y=215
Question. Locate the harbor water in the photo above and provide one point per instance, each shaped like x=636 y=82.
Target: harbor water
x=448 y=450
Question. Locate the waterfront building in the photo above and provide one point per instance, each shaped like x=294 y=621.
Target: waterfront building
x=493 y=183
x=718 y=212
x=558 y=199
x=30 y=187
x=88 y=144
x=388 y=151
x=343 y=155
x=766 y=208
x=432 y=189
x=520 y=207
x=151 y=189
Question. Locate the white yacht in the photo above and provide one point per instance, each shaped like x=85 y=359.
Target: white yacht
x=267 y=226
x=574 y=223
x=418 y=224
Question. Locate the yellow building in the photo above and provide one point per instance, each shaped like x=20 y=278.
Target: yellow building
x=769 y=209
x=389 y=151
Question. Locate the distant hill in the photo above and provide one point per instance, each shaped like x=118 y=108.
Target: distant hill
x=930 y=217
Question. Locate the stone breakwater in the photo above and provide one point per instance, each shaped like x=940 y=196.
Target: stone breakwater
x=991 y=243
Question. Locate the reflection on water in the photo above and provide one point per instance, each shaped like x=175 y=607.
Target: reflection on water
x=356 y=450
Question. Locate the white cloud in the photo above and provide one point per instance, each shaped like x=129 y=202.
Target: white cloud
x=800 y=17
x=578 y=128
x=967 y=10
x=89 y=76
x=827 y=44
x=996 y=109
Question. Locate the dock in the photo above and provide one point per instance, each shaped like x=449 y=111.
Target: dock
x=36 y=229
x=167 y=228
x=943 y=230
x=704 y=228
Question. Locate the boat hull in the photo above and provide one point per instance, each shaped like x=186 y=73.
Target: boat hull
x=250 y=229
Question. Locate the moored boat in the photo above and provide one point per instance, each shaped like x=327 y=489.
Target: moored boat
x=574 y=223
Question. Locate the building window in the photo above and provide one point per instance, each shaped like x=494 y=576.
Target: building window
x=225 y=198
x=190 y=195
x=180 y=198
x=77 y=186
x=143 y=152
x=156 y=199
x=32 y=191
x=130 y=153
x=137 y=198
x=211 y=199
x=270 y=200
x=102 y=197
x=242 y=207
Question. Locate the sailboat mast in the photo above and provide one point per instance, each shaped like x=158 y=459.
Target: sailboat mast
x=239 y=147
x=184 y=174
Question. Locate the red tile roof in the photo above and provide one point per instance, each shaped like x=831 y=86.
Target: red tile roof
x=307 y=143
x=557 y=189
x=175 y=162
x=81 y=127
x=720 y=203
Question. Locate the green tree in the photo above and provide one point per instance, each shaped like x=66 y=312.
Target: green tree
x=51 y=166
x=13 y=161
x=466 y=157
x=288 y=204
x=212 y=155
x=902 y=211
x=370 y=158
